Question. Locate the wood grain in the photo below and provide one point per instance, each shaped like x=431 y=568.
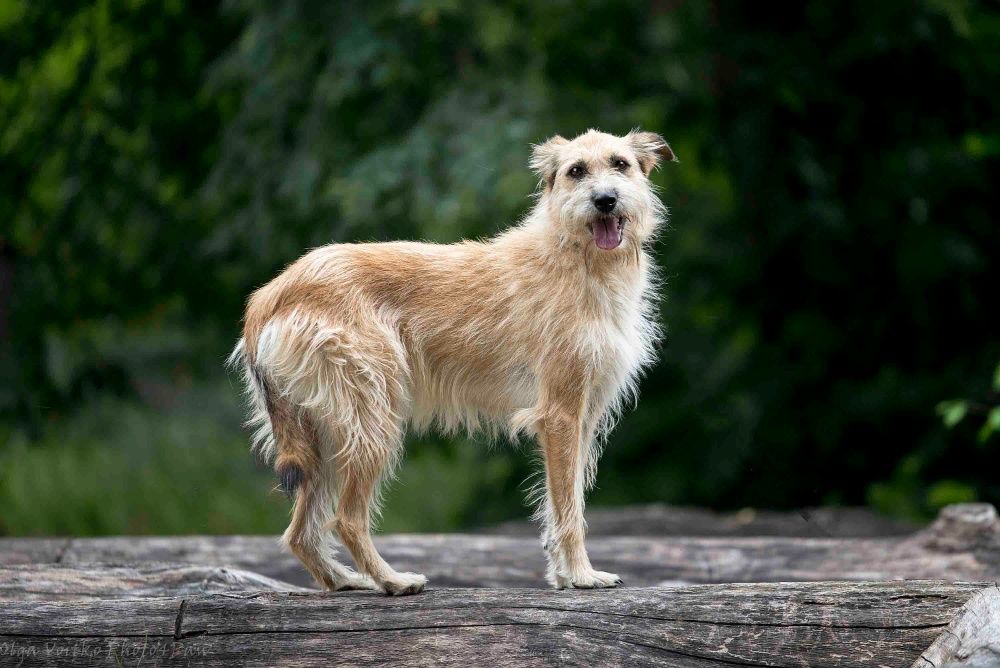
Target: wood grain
x=63 y=582
x=457 y=560
x=791 y=624
x=972 y=638
x=762 y=600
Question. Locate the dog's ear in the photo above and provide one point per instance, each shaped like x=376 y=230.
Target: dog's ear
x=545 y=158
x=650 y=148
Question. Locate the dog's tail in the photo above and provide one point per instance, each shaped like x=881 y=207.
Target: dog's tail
x=281 y=433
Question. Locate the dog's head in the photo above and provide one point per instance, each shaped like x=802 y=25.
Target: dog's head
x=596 y=186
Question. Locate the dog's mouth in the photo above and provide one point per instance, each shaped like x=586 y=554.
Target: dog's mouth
x=607 y=231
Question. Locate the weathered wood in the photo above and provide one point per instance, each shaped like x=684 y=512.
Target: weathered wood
x=33 y=550
x=972 y=639
x=51 y=582
x=964 y=527
x=657 y=519
x=959 y=546
x=221 y=600
x=830 y=624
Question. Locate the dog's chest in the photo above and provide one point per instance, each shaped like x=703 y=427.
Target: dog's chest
x=617 y=345
x=617 y=337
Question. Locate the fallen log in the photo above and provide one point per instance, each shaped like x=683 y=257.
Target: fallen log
x=821 y=623
x=239 y=599
x=657 y=519
x=963 y=544
x=66 y=582
x=972 y=638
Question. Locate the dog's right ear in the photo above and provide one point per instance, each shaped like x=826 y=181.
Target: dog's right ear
x=650 y=148
x=545 y=158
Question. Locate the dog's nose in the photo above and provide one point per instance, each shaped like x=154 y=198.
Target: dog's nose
x=605 y=202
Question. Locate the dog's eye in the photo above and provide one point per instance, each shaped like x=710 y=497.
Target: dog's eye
x=619 y=164
x=576 y=171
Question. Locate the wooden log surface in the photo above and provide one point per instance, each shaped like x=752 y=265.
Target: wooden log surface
x=963 y=544
x=972 y=638
x=657 y=519
x=68 y=582
x=792 y=624
x=240 y=599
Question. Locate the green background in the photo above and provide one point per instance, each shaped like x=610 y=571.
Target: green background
x=830 y=264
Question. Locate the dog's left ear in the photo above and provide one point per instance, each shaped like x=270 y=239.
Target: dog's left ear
x=650 y=148
x=545 y=158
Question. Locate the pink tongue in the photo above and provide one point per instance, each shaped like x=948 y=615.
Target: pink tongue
x=606 y=233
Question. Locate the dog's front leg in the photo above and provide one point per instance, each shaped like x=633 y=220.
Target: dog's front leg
x=563 y=439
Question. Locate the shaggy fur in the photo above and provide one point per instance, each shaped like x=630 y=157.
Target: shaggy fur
x=540 y=331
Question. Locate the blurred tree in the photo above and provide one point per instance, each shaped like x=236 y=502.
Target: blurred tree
x=828 y=268
x=104 y=141
x=954 y=411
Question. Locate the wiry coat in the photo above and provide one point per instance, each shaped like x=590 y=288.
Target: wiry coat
x=536 y=332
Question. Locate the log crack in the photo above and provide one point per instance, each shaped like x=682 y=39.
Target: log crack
x=63 y=550
x=178 y=623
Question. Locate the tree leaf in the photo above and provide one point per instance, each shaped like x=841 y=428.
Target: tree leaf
x=945 y=492
x=952 y=412
x=991 y=425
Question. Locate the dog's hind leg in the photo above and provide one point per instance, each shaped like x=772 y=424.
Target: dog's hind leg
x=368 y=430
x=312 y=483
x=284 y=375
x=309 y=537
x=350 y=379
x=360 y=478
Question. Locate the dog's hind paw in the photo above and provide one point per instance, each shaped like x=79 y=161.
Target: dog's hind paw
x=355 y=582
x=595 y=580
x=403 y=584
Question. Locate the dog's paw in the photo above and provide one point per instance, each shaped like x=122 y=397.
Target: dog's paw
x=355 y=582
x=595 y=580
x=403 y=584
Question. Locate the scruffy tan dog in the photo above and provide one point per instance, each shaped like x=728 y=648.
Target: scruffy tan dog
x=541 y=331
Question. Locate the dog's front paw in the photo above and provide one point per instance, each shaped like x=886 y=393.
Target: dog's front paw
x=403 y=584
x=595 y=580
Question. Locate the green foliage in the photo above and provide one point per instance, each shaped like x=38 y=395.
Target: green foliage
x=104 y=142
x=945 y=492
x=954 y=411
x=908 y=495
x=827 y=269
x=118 y=468
x=991 y=425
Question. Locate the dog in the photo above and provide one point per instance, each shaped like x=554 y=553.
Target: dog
x=541 y=331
